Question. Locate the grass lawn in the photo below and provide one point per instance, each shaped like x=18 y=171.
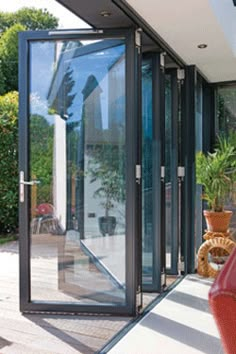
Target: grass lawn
x=7 y=238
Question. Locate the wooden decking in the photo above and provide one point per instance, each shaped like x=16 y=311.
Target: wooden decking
x=40 y=333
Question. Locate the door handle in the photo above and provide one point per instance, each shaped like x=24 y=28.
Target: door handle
x=30 y=183
x=25 y=183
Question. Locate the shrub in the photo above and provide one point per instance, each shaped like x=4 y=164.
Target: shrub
x=9 y=59
x=216 y=172
x=8 y=162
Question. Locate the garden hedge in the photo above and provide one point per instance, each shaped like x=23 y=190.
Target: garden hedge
x=8 y=162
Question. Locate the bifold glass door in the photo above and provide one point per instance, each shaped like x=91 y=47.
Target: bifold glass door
x=161 y=185
x=153 y=234
x=147 y=167
x=77 y=179
x=172 y=146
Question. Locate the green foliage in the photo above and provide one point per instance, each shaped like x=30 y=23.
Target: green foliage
x=11 y=24
x=9 y=59
x=225 y=108
x=29 y=17
x=106 y=166
x=41 y=154
x=216 y=172
x=8 y=162
x=7 y=238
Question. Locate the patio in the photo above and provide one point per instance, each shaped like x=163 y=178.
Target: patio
x=181 y=321
x=45 y=333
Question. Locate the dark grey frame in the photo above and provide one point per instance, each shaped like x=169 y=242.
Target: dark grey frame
x=159 y=239
x=158 y=111
x=133 y=213
x=209 y=130
x=175 y=237
x=147 y=28
x=188 y=117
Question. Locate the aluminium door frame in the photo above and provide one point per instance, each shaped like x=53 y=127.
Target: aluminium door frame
x=158 y=233
x=175 y=232
x=133 y=233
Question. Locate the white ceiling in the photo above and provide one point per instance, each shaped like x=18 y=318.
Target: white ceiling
x=184 y=24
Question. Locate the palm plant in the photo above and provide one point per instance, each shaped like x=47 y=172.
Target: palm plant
x=216 y=172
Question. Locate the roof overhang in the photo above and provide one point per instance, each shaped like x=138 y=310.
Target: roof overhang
x=179 y=28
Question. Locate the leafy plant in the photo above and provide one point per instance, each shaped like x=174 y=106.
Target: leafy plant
x=216 y=172
x=106 y=167
x=41 y=156
x=8 y=162
x=9 y=58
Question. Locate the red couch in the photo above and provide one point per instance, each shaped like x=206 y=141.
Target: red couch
x=222 y=300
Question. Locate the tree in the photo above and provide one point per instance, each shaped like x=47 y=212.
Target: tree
x=11 y=24
x=8 y=162
x=29 y=17
x=9 y=59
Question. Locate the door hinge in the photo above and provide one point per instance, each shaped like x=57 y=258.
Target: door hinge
x=181 y=172
x=138 y=174
x=181 y=266
x=180 y=74
x=139 y=302
x=163 y=280
x=138 y=39
x=163 y=172
x=162 y=60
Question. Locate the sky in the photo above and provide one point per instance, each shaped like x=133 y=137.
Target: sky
x=66 y=18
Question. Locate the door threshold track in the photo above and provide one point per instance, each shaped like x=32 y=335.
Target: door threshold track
x=137 y=319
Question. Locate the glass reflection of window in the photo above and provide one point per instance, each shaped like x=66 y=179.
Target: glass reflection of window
x=226 y=123
x=168 y=161
x=147 y=216
x=198 y=147
x=77 y=151
x=226 y=108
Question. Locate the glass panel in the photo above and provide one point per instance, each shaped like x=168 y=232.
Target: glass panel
x=77 y=152
x=199 y=146
x=226 y=108
x=147 y=212
x=168 y=181
x=226 y=122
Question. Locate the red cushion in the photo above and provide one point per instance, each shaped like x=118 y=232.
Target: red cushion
x=44 y=209
x=222 y=300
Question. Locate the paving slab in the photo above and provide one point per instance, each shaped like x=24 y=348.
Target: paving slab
x=181 y=323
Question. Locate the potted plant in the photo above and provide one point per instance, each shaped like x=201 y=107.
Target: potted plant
x=105 y=169
x=216 y=172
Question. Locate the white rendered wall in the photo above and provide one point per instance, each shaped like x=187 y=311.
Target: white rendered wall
x=59 y=170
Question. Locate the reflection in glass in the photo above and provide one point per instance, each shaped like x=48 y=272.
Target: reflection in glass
x=226 y=108
x=226 y=123
x=77 y=151
x=198 y=147
x=147 y=185
x=168 y=160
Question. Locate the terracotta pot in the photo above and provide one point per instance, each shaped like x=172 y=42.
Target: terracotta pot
x=217 y=221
